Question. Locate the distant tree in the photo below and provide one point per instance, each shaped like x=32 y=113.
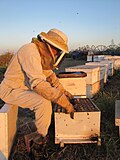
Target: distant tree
x=5 y=59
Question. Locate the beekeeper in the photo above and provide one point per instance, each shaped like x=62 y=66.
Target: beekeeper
x=29 y=81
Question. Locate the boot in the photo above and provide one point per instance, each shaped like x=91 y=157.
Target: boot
x=34 y=137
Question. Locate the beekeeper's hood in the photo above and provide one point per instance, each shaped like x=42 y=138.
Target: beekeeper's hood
x=57 y=39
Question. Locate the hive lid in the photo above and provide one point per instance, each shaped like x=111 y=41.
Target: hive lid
x=71 y=74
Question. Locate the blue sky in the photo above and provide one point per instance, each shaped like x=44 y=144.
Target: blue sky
x=86 y=22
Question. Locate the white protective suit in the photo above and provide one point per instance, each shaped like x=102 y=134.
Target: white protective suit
x=23 y=74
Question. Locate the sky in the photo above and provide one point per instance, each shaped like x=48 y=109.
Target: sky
x=85 y=22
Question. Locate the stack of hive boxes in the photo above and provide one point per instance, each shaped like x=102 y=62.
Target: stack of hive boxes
x=92 y=80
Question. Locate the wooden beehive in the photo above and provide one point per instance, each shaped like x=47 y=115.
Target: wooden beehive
x=98 y=58
x=103 y=71
x=117 y=63
x=89 y=58
x=8 y=118
x=110 y=66
x=92 y=79
x=92 y=72
x=115 y=60
x=91 y=90
x=84 y=128
x=72 y=81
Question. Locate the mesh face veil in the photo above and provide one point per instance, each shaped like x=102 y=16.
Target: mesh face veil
x=56 y=58
x=57 y=39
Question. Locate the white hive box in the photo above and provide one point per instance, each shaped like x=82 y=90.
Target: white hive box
x=111 y=58
x=74 y=82
x=8 y=118
x=92 y=89
x=95 y=58
x=89 y=58
x=98 y=58
x=92 y=80
x=84 y=128
x=92 y=72
x=117 y=63
x=107 y=57
x=103 y=76
x=110 y=66
x=115 y=60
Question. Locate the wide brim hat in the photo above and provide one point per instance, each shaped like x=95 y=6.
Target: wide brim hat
x=56 y=38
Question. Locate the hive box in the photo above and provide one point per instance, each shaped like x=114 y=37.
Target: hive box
x=110 y=66
x=98 y=58
x=117 y=63
x=115 y=60
x=95 y=58
x=93 y=72
x=92 y=80
x=89 y=58
x=84 y=128
x=103 y=71
x=92 y=89
x=8 y=118
x=76 y=85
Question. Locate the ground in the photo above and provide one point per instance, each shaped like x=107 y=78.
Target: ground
x=110 y=146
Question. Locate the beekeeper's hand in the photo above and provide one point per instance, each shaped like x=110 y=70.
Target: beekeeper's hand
x=54 y=81
x=64 y=103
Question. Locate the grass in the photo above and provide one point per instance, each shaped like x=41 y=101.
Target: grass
x=68 y=62
x=110 y=140
x=105 y=100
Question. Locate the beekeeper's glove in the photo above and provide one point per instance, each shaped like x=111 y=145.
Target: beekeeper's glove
x=64 y=103
x=54 y=81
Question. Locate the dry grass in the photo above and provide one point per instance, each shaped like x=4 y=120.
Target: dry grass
x=110 y=146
